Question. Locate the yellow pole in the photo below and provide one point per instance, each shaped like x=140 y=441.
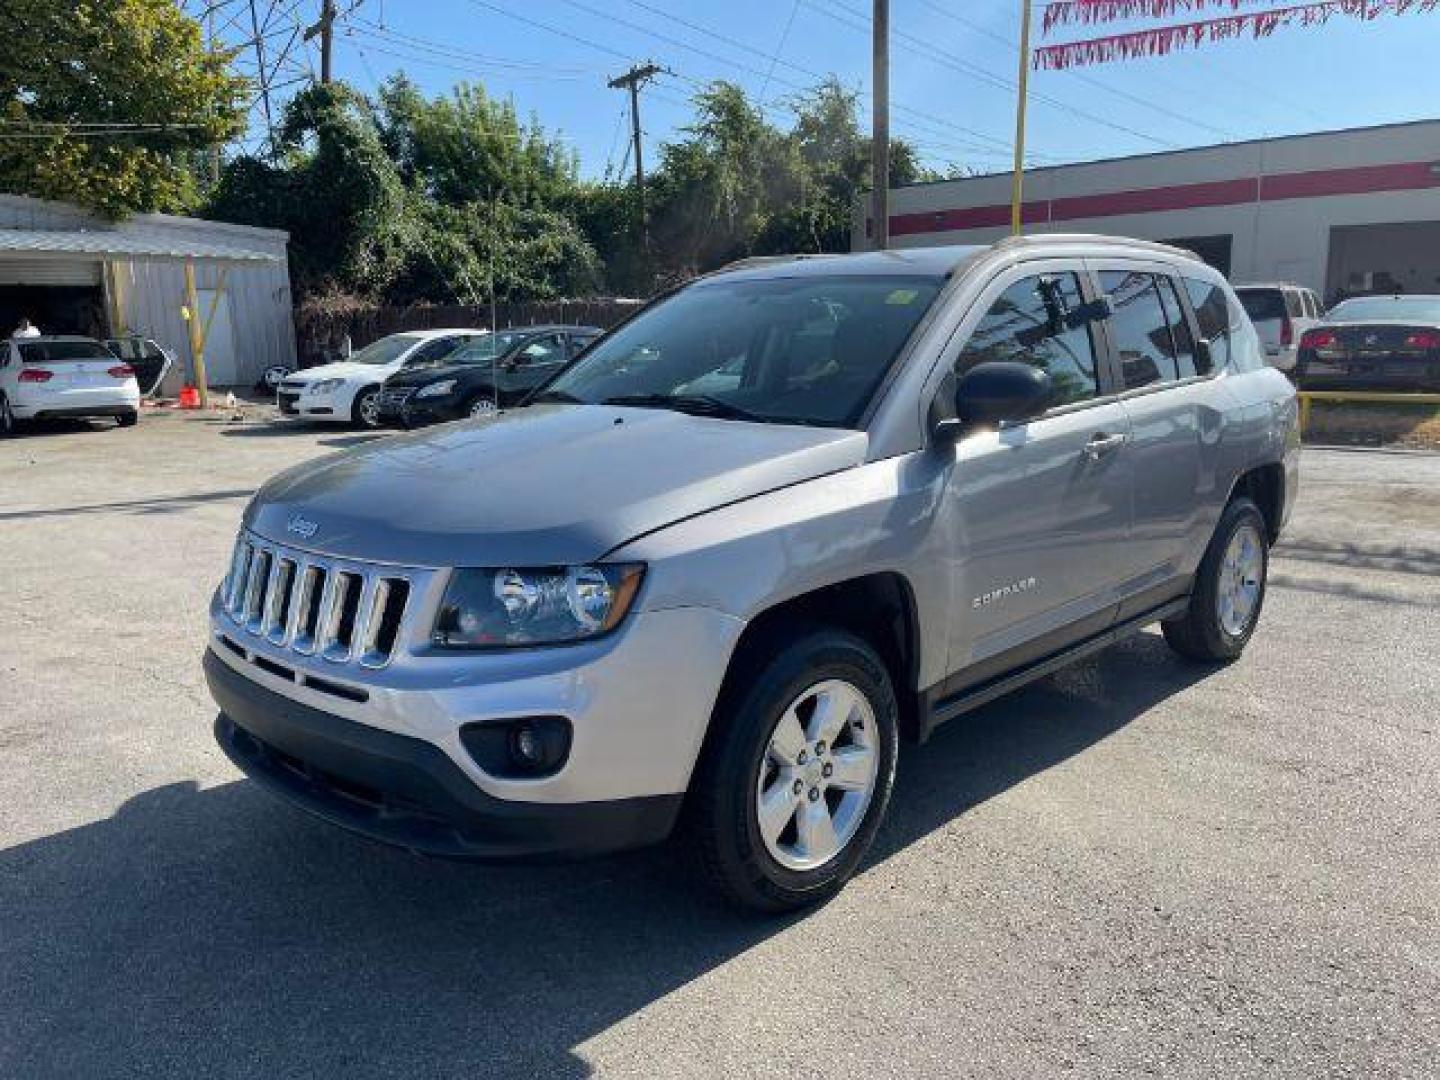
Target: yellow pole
x=1017 y=187
x=197 y=334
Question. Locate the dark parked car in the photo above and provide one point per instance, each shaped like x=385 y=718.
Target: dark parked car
x=490 y=373
x=1373 y=343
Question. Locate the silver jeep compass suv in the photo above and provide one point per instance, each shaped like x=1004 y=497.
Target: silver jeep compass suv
x=723 y=562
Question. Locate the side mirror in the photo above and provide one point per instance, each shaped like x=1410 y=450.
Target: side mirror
x=997 y=392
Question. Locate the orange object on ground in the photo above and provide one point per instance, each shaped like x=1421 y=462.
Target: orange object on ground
x=189 y=397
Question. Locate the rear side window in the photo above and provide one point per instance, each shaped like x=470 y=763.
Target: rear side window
x=1261 y=304
x=1041 y=321
x=1140 y=328
x=1180 y=333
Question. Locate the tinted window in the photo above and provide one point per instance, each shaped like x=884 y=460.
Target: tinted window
x=50 y=352
x=433 y=352
x=1040 y=321
x=1262 y=303
x=1140 y=329
x=808 y=349
x=1212 y=315
x=1179 y=329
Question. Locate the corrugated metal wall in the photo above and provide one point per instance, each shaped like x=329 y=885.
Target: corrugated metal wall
x=151 y=292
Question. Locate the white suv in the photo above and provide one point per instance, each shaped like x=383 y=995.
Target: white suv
x=348 y=392
x=1281 y=314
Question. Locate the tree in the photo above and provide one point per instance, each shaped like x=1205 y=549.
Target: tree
x=137 y=65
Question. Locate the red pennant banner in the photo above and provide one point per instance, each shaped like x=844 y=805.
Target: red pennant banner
x=1069 y=12
x=1162 y=40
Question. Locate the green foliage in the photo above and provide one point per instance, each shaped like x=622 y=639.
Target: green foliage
x=407 y=198
x=90 y=62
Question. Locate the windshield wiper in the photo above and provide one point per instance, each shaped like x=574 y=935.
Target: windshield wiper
x=692 y=404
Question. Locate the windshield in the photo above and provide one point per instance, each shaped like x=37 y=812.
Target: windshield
x=806 y=350
x=385 y=351
x=1387 y=308
x=484 y=349
x=50 y=352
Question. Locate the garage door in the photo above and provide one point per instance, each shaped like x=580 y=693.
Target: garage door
x=49 y=271
x=1382 y=259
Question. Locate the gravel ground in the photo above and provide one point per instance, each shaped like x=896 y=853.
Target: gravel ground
x=1137 y=867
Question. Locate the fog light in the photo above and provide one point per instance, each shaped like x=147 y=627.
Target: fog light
x=526 y=748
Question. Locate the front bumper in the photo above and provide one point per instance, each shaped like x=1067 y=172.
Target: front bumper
x=305 y=406
x=405 y=791
x=411 y=411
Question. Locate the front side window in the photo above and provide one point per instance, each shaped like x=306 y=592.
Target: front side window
x=1042 y=321
x=1140 y=328
x=803 y=350
x=546 y=350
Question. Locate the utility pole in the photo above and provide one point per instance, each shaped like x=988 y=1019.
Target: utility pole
x=880 y=125
x=325 y=31
x=1017 y=184
x=633 y=80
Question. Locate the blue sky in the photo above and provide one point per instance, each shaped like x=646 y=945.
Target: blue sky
x=953 y=63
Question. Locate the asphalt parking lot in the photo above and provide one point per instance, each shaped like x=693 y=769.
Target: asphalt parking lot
x=1137 y=867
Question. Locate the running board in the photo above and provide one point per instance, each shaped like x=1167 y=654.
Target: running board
x=966 y=700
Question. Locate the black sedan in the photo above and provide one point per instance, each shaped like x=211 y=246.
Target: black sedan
x=1373 y=343
x=492 y=372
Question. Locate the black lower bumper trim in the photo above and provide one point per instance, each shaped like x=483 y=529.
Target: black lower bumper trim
x=405 y=791
x=86 y=412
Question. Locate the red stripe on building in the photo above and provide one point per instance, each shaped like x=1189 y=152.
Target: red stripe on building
x=1357 y=180
x=1152 y=200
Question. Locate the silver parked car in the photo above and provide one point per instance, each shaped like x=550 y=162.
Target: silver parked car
x=725 y=561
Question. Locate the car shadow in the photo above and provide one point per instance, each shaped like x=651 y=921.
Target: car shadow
x=216 y=932
x=281 y=429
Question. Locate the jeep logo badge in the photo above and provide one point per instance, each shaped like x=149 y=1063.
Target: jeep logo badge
x=302 y=527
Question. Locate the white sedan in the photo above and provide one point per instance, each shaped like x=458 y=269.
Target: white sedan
x=348 y=392
x=52 y=377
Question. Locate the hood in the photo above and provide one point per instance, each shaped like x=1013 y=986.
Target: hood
x=423 y=376
x=548 y=485
x=344 y=369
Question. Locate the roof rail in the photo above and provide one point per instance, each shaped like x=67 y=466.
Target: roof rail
x=1102 y=239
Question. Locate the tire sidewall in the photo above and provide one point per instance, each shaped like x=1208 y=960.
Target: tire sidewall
x=811 y=658
x=358 y=411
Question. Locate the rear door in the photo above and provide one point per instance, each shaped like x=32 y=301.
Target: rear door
x=1039 y=511
x=1167 y=399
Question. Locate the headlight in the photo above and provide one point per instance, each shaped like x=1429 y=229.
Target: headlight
x=489 y=609
x=436 y=389
x=325 y=386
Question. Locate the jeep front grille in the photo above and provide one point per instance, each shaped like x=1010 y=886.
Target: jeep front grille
x=313 y=605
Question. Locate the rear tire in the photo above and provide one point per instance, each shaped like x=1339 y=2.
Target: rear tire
x=129 y=419
x=1229 y=589
x=797 y=773
x=9 y=422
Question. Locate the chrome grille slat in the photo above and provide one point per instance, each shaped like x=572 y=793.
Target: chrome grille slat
x=312 y=605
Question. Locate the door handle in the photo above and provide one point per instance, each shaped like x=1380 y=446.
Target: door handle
x=1102 y=443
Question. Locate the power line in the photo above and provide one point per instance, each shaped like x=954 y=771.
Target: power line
x=1088 y=80
x=964 y=67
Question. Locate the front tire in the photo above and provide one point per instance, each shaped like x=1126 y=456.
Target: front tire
x=796 y=777
x=365 y=412
x=129 y=419
x=482 y=406
x=9 y=422
x=1229 y=589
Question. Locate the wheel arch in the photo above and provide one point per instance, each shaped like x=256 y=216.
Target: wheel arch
x=879 y=608
x=1264 y=485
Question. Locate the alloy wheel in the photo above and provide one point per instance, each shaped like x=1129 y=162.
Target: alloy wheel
x=819 y=775
x=1238 y=587
x=370 y=409
x=483 y=407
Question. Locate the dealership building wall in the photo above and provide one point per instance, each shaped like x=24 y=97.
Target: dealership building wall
x=1340 y=212
x=72 y=272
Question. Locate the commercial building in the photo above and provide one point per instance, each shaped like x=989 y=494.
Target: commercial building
x=71 y=272
x=1340 y=212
